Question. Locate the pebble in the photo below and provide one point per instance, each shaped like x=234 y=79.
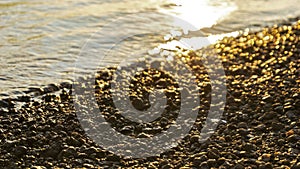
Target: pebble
x=19 y=151
x=266 y=157
x=38 y=167
x=195 y=138
x=204 y=165
x=268 y=115
x=296 y=166
x=212 y=155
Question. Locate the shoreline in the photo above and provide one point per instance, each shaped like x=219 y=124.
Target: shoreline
x=260 y=127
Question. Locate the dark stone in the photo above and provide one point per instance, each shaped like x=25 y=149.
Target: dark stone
x=260 y=127
x=211 y=162
x=293 y=138
x=3 y=103
x=53 y=150
x=127 y=130
x=243 y=132
x=90 y=150
x=269 y=166
x=38 y=167
x=277 y=125
x=198 y=160
x=291 y=114
x=8 y=145
x=19 y=151
x=212 y=155
x=204 y=165
x=74 y=142
x=268 y=115
x=24 y=98
x=238 y=166
x=113 y=158
x=249 y=147
x=195 y=138
x=296 y=166
x=67 y=153
x=139 y=104
x=88 y=166
x=279 y=109
x=167 y=166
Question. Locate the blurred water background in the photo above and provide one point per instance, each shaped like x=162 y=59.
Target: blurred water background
x=40 y=40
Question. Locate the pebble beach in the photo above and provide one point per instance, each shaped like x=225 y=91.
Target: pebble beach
x=260 y=127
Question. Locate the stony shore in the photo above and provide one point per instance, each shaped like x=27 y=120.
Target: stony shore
x=260 y=127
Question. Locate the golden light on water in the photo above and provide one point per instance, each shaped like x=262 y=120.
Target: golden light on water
x=193 y=43
x=203 y=13
x=199 y=14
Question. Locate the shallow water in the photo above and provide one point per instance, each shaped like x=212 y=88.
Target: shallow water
x=40 y=40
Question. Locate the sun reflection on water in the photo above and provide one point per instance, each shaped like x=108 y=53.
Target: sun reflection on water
x=199 y=14
x=202 y=13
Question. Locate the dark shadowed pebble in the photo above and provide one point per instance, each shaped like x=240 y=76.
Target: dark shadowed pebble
x=19 y=151
x=204 y=165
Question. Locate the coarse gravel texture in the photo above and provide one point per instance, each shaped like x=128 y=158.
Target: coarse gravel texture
x=260 y=127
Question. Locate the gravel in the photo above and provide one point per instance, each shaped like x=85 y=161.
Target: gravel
x=260 y=127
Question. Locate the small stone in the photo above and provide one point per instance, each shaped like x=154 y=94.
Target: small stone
x=38 y=167
x=9 y=144
x=69 y=152
x=266 y=157
x=263 y=165
x=291 y=114
x=88 y=166
x=212 y=155
x=285 y=162
x=195 y=138
x=24 y=98
x=277 y=126
x=221 y=160
x=53 y=150
x=269 y=165
x=113 y=158
x=296 y=166
x=74 y=142
x=90 y=150
x=4 y=103
x=290 y=132
x=293 y=138
x=138 y=104
x=167 y=166
x=204 y=165
x=222 y=139
x=243 y=132
x=249 y=147
x=242 y=125
x=226 y=164
x=267 y=98
x=184 y=167
x=279 y=109
x=211 y=162
x=268 y=115
x=20 y=151
x=239 y=166
x=143 y=135
x=260 y=127
x=198 y=160
x=127 y=130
